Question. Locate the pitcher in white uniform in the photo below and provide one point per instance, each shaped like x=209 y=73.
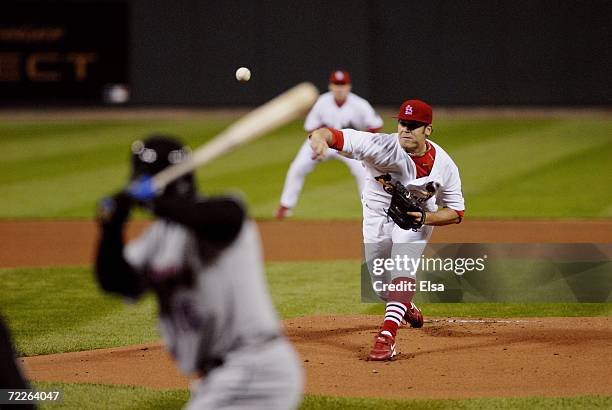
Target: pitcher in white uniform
x=338 y=108
x=412 y=159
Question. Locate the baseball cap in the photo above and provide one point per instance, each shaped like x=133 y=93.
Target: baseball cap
x=157 y=152
x=340 y=77
x=415 y=110
x=153 y=154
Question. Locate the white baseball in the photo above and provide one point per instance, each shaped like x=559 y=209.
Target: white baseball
x=243 y=74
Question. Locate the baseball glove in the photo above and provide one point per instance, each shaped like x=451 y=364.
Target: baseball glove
x=402 y=202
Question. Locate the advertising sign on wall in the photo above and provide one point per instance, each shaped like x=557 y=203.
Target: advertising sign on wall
x=63 y=52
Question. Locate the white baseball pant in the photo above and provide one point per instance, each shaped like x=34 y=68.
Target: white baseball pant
x=383 y=239
x=266 y=377
x=303 y=164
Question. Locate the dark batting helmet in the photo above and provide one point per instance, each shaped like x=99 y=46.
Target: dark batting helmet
x=156 y=152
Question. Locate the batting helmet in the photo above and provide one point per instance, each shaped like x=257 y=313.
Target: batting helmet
x=156 y=152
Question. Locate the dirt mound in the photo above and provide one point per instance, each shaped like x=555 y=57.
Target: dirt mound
x=447 y=358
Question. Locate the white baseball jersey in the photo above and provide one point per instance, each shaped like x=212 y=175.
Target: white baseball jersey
x=355 y=113
x=382 y=154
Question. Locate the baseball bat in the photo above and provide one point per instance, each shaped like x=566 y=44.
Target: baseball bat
x=273 y=114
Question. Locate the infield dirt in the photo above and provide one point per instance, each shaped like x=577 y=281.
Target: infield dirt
x=64 y=243
x=447 y=358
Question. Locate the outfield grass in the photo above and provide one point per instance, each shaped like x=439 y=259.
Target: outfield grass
x=54 y=310
x=510 y=168
x=60 y=309
x=96 y=396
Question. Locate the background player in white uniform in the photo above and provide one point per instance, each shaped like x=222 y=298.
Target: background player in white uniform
x=202 y=259
x=410 y=158
x=338 y=108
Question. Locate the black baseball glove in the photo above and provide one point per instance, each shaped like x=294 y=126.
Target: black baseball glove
x=402 y=202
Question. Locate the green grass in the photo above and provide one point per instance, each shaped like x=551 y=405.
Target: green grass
x=96 y=396
x=60 y=309
x=99 y=396
x=532 y=168
x=579 y=402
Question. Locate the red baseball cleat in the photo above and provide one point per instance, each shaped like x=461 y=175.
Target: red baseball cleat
x=282 y=212
x=384 y=347
x=414 y=316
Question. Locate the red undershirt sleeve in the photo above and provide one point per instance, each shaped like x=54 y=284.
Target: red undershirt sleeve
x=337 y=142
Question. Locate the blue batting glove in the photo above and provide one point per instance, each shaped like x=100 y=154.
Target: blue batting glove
x=142 y=189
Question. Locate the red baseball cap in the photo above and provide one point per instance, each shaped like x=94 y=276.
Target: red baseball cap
x=340 y=77
x=415 y=110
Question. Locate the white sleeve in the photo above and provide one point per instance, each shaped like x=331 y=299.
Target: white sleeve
x=450 y=194
x=375 y=149
x=313 y=119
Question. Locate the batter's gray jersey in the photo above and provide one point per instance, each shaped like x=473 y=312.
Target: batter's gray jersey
x=222 y=322
x=227 y=308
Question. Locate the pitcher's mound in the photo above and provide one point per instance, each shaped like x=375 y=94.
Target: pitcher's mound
x=447 y=358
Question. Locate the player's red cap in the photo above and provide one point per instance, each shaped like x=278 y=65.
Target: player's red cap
x=340 y=77
x=415 y=110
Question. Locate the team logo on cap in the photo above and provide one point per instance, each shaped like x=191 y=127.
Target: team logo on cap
x=408 y=110
x=339 y=75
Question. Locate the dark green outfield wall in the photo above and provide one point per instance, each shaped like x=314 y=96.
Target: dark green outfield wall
x=449 y=52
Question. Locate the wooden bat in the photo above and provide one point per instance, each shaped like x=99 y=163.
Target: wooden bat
x=275 y=113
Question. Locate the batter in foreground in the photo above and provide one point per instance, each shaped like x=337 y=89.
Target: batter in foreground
x=429 y=175
x=202 y=259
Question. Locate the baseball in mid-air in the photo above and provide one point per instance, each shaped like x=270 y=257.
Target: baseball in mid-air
x=243 y=74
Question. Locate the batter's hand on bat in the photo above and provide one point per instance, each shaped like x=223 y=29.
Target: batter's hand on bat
x=142 y=189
